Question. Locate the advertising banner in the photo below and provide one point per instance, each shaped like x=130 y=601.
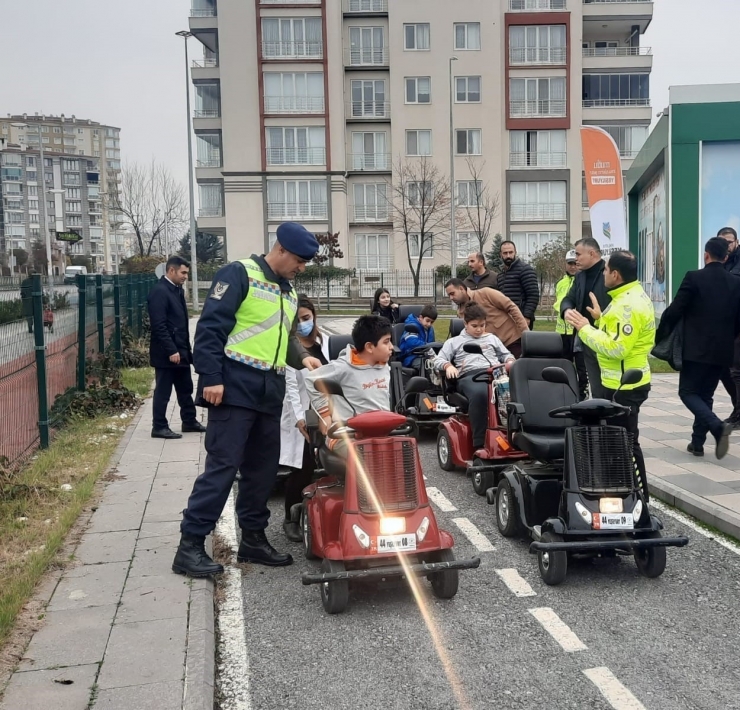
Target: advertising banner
x=604 y=188
x=652 y=257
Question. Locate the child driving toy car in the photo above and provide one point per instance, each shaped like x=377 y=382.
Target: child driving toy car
x=409 y=341
x=461 y=365
x=362 y=371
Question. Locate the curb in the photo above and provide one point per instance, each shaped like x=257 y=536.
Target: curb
x=200 y=662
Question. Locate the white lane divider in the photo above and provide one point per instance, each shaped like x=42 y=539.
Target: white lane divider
x=438 y=498
x=467 y=528
x=516 y=583
x=615 y=693
x=558 y=629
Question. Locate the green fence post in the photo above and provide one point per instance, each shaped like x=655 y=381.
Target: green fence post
x=37 y=296
x=99 y=312
x=81 y=331
x=140 y=286
x=117 y=316
x=130 y=301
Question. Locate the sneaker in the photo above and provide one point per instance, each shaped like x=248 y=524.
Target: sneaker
x=695 y=450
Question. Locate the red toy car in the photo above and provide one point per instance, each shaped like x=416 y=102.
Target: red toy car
x=369 y=517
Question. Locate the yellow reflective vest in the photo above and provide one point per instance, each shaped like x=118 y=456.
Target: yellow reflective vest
x=561 y=291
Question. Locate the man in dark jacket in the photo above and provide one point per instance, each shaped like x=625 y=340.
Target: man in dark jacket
x=589 y=280
x=170 y=353
x=480 y=276
x=708 y=301
x=731 y=376
x=518 y=281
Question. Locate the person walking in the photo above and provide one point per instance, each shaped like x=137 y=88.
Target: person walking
x=170 y=353
x=480 y=276
x=622 y=337
x=731 y=375
x=518 y=281
x=589 y=280
x=708 y=301
x=243 y=342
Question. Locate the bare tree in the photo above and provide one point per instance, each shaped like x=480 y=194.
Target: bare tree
x=420 y=204
x=482 y=205
x=149 y=198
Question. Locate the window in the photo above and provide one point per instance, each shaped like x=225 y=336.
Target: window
x=80 y=131
x=468 y=141
x=467 y=89
x=537 y=149
x=69 y=141
x=427 y=246
x=418 y=89
x=416 y=37
x=208 y=150
x=14 y=217
x=44 y=129
x=304 y=199
x=371 y=202
x=467 y=35
x=294 y=92
x=529 y=243
x=72 y=206
x=31 y=175
x=469 y=193
x=14 y=205
x=532 y=201
x=73 y=220
x=288 y=37
x=419 y=194
x=50 y=205
x=369 y=151
x=368 y=99
x=616 y=90
x=629 y=139
x=57 y=129
x=68 y=178
x=33 y=191
x=367 y=46
x=48 y=162
x=537 y=97
x=372 y=251
x=73 y=193
x=30 y=162
x=210 y=196
x=71 y=164
x=538 y=44
x=418 y=142
x=296 y=146
x=33 y=204
x=603 y=48
x=467 y=243
x=207 y=100
x=35 y=231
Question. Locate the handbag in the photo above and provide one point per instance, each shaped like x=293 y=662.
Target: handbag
x=670 y=348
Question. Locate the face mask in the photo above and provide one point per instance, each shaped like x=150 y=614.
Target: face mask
x=305 y=328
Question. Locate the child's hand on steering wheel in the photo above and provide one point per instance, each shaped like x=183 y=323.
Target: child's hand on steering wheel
x=508 y=364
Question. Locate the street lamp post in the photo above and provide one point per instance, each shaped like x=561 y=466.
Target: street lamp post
x=193 y=253
x=453 y=235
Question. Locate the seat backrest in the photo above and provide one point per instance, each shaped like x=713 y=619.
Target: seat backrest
x=457 y=325
x=337 y=343
x=397 y=333
x=541 y=350
x=406 y=310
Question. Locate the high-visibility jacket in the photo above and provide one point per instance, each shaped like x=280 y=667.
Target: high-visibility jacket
x=263 y=322
x=624 y=335
x=561 y=291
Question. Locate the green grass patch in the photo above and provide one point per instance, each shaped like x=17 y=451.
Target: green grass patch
x=138 y=379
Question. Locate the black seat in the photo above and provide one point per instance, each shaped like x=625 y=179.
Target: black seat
x=332 y=464
x=531 y=429
x=397 y=333
x=405 y=311
x=457 y=325
x=337 y=343
x=452 y=396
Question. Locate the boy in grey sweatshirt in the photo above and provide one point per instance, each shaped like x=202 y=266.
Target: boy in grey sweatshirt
x=362 y=371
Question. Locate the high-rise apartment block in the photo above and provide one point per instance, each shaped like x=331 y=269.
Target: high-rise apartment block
x=304 y=109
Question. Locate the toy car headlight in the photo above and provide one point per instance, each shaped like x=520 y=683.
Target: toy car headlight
x=611 y=505
x=421 y=533
x=637 y=511
x=362 y=537
x=584 y=512
x=392 y=526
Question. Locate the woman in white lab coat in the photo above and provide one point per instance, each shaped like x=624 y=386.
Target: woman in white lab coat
x=295 y=449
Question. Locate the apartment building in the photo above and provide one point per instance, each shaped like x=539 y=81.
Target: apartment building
x=305 y=108
x=89 y=145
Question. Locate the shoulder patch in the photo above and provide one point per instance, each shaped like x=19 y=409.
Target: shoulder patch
x=219 y=290
x=627 y=330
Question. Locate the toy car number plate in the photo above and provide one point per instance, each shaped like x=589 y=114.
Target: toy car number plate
x=613 y=521
x=396 y=543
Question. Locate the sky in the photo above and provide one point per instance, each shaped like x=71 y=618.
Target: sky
x=119 y=62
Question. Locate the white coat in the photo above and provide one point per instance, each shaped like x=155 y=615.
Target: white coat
x=295 y=405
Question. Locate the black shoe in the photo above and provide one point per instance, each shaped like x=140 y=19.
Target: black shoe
x=192 y=427
x=255 y=548
x=165 y=433
x=292 y=531
x=723 y=441
x=734 y=420
x=193 y=560
x=695 y=450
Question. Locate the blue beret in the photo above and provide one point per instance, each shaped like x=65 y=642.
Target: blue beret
x=297 y=240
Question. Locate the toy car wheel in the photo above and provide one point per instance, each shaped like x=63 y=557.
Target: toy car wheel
x=307 y=536
x=553 y=565
x=652 y=560
x=482 y=479
x=444 y=583
x=334 y=595
x=507 y=516
x=444 y=451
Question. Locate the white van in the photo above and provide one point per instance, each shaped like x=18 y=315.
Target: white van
x=71 y=273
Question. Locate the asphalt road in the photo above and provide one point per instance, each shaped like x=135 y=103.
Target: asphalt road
x=618 y=640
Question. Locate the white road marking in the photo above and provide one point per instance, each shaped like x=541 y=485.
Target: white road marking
x=516 y=583
x=467 y=528
x=615 y=693
x=558 y=629
x=233 y=664
x=436 y=496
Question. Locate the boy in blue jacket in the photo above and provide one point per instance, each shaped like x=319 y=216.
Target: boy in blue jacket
x=409 y=341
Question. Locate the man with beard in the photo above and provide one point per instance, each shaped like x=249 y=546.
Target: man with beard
x=731 y=375
x=518 y=281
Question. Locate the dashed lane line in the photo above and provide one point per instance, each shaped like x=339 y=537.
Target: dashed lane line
x=516 y=583
x=558 y=629
x=615 y=693
x=438 y=498
x=479 y=540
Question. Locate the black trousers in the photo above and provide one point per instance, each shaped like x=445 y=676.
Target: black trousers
x=237 y=439
x=697 y=384
x=633 y=399
x=299 y=478
x=731 y=378
x=594 y=374
x=578 y=360
x=477 y=395
x=164 y=379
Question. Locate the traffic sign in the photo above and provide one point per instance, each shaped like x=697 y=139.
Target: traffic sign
x=68 y=236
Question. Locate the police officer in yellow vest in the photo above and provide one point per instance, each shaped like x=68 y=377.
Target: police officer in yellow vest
x=243 y=342
x=622 y=338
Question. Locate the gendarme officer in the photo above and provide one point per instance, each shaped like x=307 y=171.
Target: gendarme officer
x=243 y=341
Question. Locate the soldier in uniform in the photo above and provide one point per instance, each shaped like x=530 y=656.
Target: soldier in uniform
x=244 y=339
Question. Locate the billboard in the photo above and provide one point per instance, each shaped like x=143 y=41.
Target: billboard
x=652 y=255
x=720 y=191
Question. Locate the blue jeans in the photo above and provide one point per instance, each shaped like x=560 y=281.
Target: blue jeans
x=696 y=386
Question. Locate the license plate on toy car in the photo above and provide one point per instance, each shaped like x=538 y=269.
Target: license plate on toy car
x=613 y=521
x=396 y=543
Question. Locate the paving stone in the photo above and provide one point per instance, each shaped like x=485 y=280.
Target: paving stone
x=164 y=507
x=656 y=467
x=90 y=585
x=106 y=547
x=171 y=527
x=716 y=472
x=155 y=597
x=51 y=690
x=154 y=557
x=155 y=696
x=171 y=485
x=730 y=500
x=699 y=485
x=115 y=517
x=179 y=469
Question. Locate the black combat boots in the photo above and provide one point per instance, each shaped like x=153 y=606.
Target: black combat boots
x=193 y=560
x=255 y=548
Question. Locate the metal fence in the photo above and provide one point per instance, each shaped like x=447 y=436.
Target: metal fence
x=46 y=335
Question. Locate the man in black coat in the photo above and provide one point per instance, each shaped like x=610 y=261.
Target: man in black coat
x=708 y=301
x=518 y=281
x=731 y=376
x=170 y=353
x=589 y=281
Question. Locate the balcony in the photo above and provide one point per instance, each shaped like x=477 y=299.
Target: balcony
x=210 y=212
x=363 y=57
x=365 y=7
x=205 y=63
x=204 y=19
x=296 y=156
x=620 y=15
x=366 y=214
x=297 y=210
x=537 y=160
x=206 y=113
x=369 y=162
x=548 y=108
x=203 y=12
x=551 y=212
x=208 y=163
x=290 y=2
x=534 y=5
x=610 y=58
x=368 y=110
x=608 y=103
x=294 y=104
x=525 y=56
x=292 y=50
